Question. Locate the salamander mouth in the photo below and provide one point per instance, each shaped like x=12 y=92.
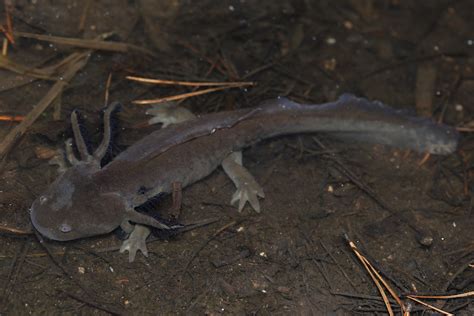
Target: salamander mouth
x=46 y=230
x=51 y=234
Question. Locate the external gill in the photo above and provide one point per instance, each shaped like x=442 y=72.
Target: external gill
x=100 y=152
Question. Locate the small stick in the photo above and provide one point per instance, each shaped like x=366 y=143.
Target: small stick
x=16 y=231
x=360 y=296
x=377 y=278
x=444 y=297
x=99 y=306
x=12 y=118
x=85 y=11
x=12 y=137
x=337 y=264
x=57 y=104
x=185 y=95
x=177 y=199
x=214 y=63
x=351 y=176
x=447 y=97
x=189 y=83
x=8 y=29
x=5 y=47
x=423 y=160
x=186 y=228
x=194 y=255
x=8 y=15
x=371 y=271
x=10 y=65
x=107 y=89
x=430 y=306
x=87 y=43
x=62 y=267
x=16 y=267
x=425 y=86
x=466 y=129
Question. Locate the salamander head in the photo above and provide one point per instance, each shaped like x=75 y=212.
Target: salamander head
x=72 y=208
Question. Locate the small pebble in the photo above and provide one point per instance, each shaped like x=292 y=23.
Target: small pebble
x=330 y=41
x=426 y=241
x=283 y=289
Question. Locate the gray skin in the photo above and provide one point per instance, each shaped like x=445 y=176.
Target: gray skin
x=88 y=200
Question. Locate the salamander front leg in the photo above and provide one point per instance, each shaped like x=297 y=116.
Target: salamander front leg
x=136 y=241
x=247 y=187
x=138 y=233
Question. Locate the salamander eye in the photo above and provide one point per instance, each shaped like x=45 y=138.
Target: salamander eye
x=43 y=199
x=65 y=228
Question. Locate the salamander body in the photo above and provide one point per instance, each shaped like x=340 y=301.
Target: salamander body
x=89 y=200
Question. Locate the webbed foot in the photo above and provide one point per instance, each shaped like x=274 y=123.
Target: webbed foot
x=136 y=241
x=168 y=113
x=248 y=190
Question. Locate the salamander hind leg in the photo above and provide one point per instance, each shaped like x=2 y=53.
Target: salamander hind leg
x=248 y=190
x=136 y=241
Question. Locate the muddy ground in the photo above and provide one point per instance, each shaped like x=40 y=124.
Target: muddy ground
x=412 y=220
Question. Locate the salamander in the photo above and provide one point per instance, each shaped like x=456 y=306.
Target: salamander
x=89 y=200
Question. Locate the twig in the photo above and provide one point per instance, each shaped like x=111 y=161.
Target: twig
x=12 y=118
x=408 y=61
x=4 y=45
x=370 y=270
x=454 y=275
x=188 y=83
x=423 y=160
x=444 y=297
x=187 y=95
x=228 y=261
x=378 y=280
x=213 y=63
x=15 y=231
x=107 y=89
x=7 y=64
x=108 y=309
x=365 y=188
x=361 y=296
x=194 y=255
x=448 y=96
x=467 y=129
x=425 y=86
x=85 y=11
x=17 y=265
x=338 y=265
x=430 y=306
x=184 y=229
x=71 y=277
x=43 y=104
x=8 y=29
x=354 y=178
x=177 y=197
x=87 y=43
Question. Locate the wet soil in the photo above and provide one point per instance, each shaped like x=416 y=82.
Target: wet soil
x=412 y=220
